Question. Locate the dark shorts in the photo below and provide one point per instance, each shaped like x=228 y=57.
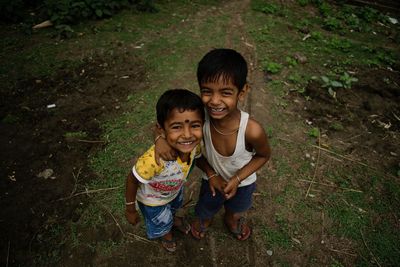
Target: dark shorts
x=208 y=206
x=159 y=219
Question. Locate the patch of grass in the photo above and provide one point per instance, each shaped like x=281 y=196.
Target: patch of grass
x=75 y=135
x=276 y=238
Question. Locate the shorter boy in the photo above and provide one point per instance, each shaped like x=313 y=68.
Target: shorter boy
x=158 y=189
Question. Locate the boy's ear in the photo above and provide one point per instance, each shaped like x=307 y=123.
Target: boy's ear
x=244 y=92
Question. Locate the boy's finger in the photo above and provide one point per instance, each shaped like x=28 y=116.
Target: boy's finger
x=212 y=189
x=157 y=158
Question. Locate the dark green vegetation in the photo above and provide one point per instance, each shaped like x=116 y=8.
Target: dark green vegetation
x=330 y=195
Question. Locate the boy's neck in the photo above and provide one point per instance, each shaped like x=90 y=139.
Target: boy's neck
x=228 y=120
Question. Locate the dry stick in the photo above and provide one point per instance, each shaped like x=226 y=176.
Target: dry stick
x=91 y=141
x=122 y=231
x=347 y=158
x=89 y=192
x=370 y=252
x=330 y=185
x=139 y=238
x=316 y=165
x=8 y=252
x=343 y=252
x=76 y=181
x=115 y=220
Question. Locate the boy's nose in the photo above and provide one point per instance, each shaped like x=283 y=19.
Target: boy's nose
x=187 y=132
x=215 y=99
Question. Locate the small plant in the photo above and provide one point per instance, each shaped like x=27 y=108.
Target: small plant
x=291 y=61
x=347 y=80
x=332 y=24
x=314 y=132
x=272 y=67
x=337 y=126
x=269 y=9
x=331 y=84
x=303 y=2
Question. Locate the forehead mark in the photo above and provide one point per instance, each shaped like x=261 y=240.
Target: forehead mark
x=187 y=121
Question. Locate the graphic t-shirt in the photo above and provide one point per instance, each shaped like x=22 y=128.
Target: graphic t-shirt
x=161 y=184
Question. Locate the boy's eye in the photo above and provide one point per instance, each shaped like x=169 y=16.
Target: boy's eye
x=205 y=92
x=196 y=125
x=226 y=93
x=175 y=127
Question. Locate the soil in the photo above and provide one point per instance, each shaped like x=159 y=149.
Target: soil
x=363 y=121
x=34 y=138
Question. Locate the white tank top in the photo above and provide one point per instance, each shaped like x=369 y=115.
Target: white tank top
x=227 y=167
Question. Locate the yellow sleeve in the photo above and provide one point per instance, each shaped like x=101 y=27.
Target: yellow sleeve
x=146 y=166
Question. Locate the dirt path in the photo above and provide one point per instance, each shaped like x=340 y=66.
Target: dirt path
x=292 y=216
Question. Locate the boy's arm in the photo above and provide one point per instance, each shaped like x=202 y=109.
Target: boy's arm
x=215 y=181
x=131 y=186
x=162 y=149
x=255 y=137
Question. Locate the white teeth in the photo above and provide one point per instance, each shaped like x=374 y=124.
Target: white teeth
x=186 y=143
x=217 y=109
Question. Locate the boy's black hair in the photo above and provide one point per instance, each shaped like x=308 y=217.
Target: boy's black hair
x=181 y=99
x=225 y=63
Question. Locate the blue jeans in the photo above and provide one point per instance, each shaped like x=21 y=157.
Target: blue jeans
x=160 y=219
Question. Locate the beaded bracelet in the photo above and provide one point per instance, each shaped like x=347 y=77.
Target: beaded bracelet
x=129 y=203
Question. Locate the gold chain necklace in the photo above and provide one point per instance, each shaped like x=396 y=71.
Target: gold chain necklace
x=222 y=133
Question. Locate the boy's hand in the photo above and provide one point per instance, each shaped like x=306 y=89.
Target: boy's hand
x=231 y=188
x=218 y=183
x=132 y=216
x=163 y=150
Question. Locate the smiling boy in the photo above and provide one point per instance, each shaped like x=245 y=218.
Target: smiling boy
x=158 y=189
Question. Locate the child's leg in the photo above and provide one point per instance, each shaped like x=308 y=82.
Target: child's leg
x=235 y=209
x=206 y=207
x=159 y=221
x=180 y=222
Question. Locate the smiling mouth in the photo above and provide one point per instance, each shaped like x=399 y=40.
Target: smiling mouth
x=186 y=143
x=217 y=109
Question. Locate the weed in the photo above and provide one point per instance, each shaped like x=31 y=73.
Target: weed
x=332 y=24
x=272 y=67
x=337 y=126
x=347 y=80
x=75 y=135
x=314 y=132
x=291 y=61
x=303 y=2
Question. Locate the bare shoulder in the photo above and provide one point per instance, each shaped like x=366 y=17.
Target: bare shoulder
x=254 y=130
x=256 y=139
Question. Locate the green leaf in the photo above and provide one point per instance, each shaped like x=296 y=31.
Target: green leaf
x=336 y=84
x=99 y=13
x=325 y=79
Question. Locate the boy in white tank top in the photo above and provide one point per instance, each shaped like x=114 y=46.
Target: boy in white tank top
x=236 y=146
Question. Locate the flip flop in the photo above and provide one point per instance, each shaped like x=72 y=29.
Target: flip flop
x=197 y=233
x=242 y=231
x=184 y=226
x=168 y=245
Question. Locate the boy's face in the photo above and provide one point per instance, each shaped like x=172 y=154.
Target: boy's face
x=221 y=97
x=183 y=130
